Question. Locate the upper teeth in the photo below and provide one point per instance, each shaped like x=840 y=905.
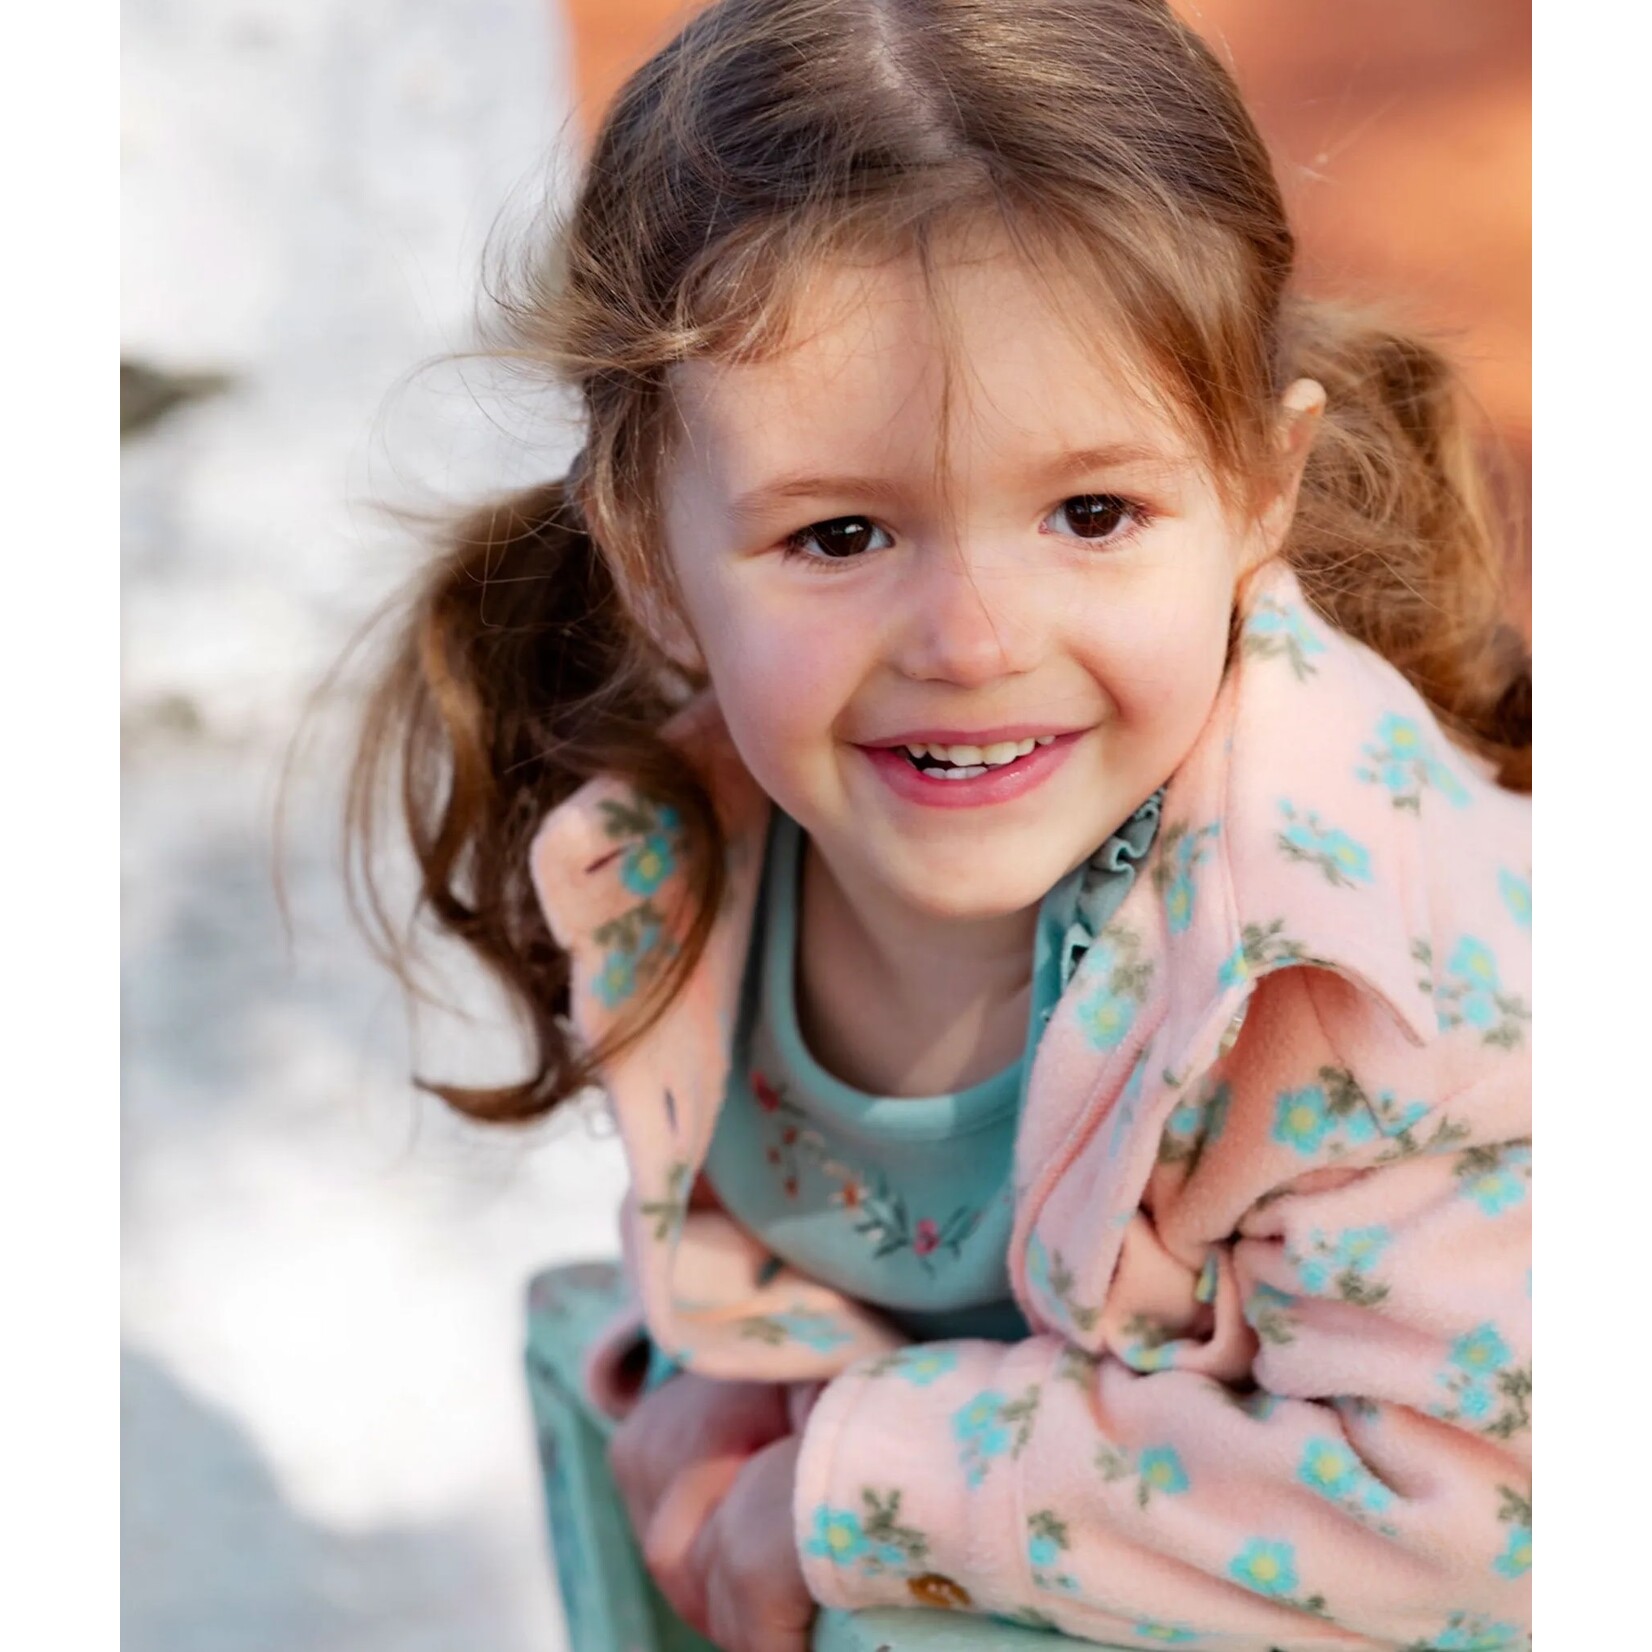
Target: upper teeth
x=1001 y=751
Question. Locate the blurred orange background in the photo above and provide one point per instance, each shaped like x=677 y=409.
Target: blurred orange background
x=1401 y=130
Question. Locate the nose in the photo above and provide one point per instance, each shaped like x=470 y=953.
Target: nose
x=966 y=619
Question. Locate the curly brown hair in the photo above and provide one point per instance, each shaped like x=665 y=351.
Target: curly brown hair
x=1107 y=140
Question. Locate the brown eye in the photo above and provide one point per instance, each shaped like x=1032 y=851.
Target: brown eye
x=1094 y=515
x=837 y=540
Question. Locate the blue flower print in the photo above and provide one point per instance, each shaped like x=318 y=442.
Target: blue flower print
x=1360 y=1247
x=982 y=1429
x=1484 y=1386
x=920 y=1365
x=1178 y=902
x=1042 y=1551
x=873 y=1541
x=1337 y=1114
x=1341 y=860
x=1480 y=1350
x=1107 y=1018
x=1194 y=1123
x=1235 y=968
x=1266 y=1567
x=1339 y=1266
x=1329 y=1468
x=1114 y=963
x=817 y=1331
x=1470 y=1632
x=1148 y=1356
x=1302 y=1118
x=616 y=980
x=978 y=1428
x=1471 y=994
x=1185 y=1118
x=1496 y=1179
x=1180 y=851
x=632 y=940
x=838 y=1536
x=1402 y=761
x=1473 y=964
x=1516 y=1558
x=1047 y=1542
x=1268 y=1312
x=1517 y=897
x=1277 y=630
x=1161 y=1470
x=1165 y=1634
x=647 y=864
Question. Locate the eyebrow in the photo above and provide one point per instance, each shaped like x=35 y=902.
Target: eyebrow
x=1063 y=467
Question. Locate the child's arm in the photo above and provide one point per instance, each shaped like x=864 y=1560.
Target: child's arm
x=1391 y=1500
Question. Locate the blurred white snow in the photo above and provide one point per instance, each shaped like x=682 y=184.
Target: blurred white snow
x=325 y=1438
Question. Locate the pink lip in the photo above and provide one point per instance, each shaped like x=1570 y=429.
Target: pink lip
x=998 y=785
x=970 y=737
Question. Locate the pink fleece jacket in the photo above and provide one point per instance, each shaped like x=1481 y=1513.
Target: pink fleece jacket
x=1272 y=1202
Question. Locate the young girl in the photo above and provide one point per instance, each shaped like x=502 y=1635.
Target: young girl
x=1002 y=760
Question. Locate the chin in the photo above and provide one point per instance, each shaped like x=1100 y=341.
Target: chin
x=976 y=896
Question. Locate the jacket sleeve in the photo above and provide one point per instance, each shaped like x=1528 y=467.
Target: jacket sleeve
x=1371 y=1489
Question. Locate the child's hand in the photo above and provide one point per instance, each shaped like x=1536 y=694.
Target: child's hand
x=676 y=1455
x=744 y=1564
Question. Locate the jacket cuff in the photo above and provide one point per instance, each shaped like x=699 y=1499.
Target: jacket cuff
x=907 y=1493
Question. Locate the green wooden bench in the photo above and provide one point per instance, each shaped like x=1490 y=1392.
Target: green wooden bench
x=609 y=1599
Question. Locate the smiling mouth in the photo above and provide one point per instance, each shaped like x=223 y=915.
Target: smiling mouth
x=969 y=762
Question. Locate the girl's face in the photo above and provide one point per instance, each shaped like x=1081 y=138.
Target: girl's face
x=1051 y=585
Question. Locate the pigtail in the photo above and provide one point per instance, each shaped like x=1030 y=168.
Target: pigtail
x=518 y=676
x=1396 y=540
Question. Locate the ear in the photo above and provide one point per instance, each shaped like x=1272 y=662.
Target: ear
x=1295 y=426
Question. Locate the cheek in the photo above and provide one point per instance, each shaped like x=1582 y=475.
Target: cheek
x=781 y=677
x=1160 y=659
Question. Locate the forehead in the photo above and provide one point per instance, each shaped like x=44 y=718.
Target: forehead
x=976 y=363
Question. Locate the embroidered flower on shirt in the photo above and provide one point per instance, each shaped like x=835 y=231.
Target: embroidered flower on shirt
x=1402 y=759
x=1342 y=861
